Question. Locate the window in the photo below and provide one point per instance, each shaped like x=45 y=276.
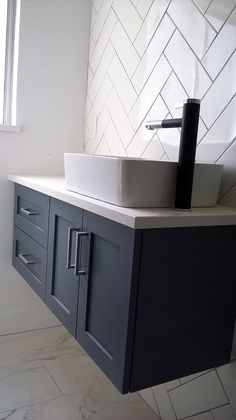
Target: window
x=9 y=31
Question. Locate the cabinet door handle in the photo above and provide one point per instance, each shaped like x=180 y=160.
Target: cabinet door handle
x=27 y=212
x=77 y=271
x=69 y=265
x=25 y=261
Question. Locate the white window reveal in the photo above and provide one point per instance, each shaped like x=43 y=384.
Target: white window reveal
x=9 y=43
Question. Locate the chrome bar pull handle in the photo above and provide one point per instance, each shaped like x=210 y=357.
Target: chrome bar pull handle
x=25 y=260
x=77 y=271
x=70 y=265
x=27 y=212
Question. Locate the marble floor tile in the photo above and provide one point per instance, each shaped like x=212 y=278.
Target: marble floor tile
x=104 y=403
x=24 y=384
x=45 y=344
x=76 y=374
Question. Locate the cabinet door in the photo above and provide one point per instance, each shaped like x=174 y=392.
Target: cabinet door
x=107 y=296
x=62 y=283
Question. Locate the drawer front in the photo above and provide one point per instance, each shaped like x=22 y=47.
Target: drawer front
x=30 y=260
x=31 y=213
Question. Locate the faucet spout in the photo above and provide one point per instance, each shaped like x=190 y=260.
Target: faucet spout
x=170 y=123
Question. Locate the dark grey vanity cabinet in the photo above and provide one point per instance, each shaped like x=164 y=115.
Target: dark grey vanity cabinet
x=149 y=306
x=31 y=212
x=62 y=289
x=106 y=310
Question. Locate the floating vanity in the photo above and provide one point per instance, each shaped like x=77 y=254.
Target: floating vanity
x=148 y=293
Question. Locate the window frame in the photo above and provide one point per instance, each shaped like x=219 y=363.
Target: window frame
x=11 y=62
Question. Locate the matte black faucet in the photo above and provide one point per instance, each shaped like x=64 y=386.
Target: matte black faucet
x=187 y=149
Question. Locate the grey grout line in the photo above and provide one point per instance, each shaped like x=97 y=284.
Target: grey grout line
x=98 y=10
x=217 y=76
x=102 y=54
x=59 y=389
x=102 y=25
x=146 y=403
x=224 y=194
x=208 y=6
x=176 y=75
x=132 y=42
x=197 y=414
x=211 y=126
x=159 y=23
x=203 y=15
x=195 y=55
x=226 y=395
x=225 y=22
x=35 y=329
x=193 y=379
x=142 y=27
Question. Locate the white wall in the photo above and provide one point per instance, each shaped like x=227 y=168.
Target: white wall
x=51 y=95
x=145 y=56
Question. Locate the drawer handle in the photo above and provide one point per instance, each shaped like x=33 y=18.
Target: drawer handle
x=25 y=261
x=77 y=271
x=27 y=212
x=70 y=265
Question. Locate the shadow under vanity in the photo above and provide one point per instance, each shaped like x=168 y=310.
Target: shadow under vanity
x=150 y=295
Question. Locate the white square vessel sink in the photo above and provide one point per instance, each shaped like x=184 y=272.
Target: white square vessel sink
x=131 y=182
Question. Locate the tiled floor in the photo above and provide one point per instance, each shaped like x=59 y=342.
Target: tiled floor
x=45 y=375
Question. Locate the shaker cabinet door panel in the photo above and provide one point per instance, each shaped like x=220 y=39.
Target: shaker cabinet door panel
x=105 y=295
x=62 y=283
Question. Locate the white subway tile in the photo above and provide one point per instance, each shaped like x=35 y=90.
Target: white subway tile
x=170 y=140
x=222 y=48
x=154 y=150
x=202 y=394
x=93 y=16
x=173 y=93
x=220 y=93
x=90 y=76
x=124 y=49
x=103 y=148
x=229 y=175
x=143 y=7
x=156 y=47
x=101 y=72
x=150 y=25
x=143 y=136
x=129 y=17
x=113 y=139
x=120 y=118
x=139 y=142
x=91 y=47
x=220 y=136
x=150 y=91
x=101 y=18
x=99 y=104
x=180 y=11
x=122 y=84
x=97 y=4
x=218 y=12
x=187 y=67
x=202 y=4
x=103 y=40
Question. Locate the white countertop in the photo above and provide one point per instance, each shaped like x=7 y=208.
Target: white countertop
x=132 y=217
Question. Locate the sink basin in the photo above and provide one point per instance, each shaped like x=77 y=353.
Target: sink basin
x=131 y=182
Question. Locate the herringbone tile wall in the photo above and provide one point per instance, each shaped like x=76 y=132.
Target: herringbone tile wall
x=146 y=56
